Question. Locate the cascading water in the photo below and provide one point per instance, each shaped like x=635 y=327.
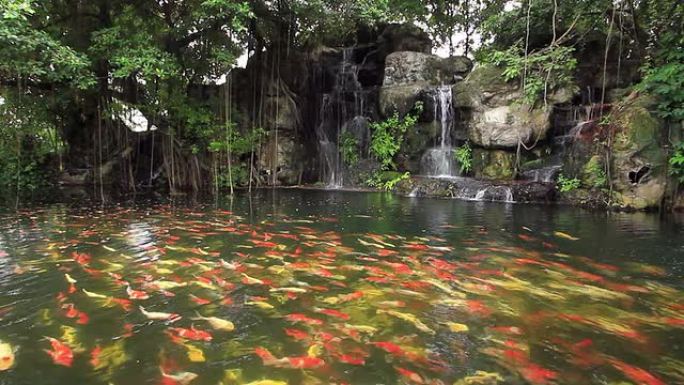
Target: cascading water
x=346 y=102
x=439 y=161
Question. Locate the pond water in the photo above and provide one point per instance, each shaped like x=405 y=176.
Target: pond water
x=315 y=287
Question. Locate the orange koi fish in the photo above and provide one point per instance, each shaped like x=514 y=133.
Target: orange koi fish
x=333 y=313
x=192 y=334
x=61 y=354
x=413 y=376
x=636 y=374
x=299 y=317
x=300 y=362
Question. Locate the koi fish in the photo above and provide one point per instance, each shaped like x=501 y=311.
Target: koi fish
x=636 y=374
x=6 y=356
x=154 y=315
x=300 y=362
x=413 y=376
x=299 y=317
x=70 y=279
x=180 y=378
x=351 y=359
x=408 y=318
x=267 y=382
x=247 y=280
x=260 y=304
x=343 y=298
x=217 y=323
x=61 y=354
x=192 y=334
x=333 y=313
x=93 y=295
x=136 y=294
x=167 y=285
x=296 y=334
x=95 y=356
x=538 y=375
x=563 y=235
x=370 y=330
x=389 y=347
x=198 y=300
x=288 y=290
x=456 y=327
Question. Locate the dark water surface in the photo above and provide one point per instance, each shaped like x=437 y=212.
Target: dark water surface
x=313 y=287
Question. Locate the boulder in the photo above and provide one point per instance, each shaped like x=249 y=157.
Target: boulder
x=403 y=37
x=400 y=99
x=409 y=67
x=498 y=119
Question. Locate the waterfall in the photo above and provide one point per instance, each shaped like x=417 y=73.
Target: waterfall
x=439 y=161
x=346 y=102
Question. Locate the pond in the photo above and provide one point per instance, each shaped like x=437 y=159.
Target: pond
x=320 y=287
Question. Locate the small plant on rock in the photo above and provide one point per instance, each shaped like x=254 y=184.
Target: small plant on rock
x=464 y=157
x=676 y=162
x=566 y=184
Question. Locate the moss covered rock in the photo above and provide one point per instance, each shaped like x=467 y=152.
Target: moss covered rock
x=593 y=173
x=493 y=164
x=497 y=118
x=639 y=161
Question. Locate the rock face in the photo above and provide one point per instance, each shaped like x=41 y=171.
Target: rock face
x=283 y=157
x=497 y=119
x=410 y=76
x=410 y=67
x=639 y=160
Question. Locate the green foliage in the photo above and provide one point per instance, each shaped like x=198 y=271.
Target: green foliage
x=676 y=162
x=665 y=80
x=349 y=146
x=388 y=136
x=386 y=180
x=34 y=53
x=545 y=70
x=237 y=143
x=566 y=184
x=464 y=157
x=595 y=173
x=28 y=140
x=239 y=173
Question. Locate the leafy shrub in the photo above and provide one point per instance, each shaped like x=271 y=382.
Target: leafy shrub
x=349 y=146
x=677 y=162
x=596 y=175
x=547 y=69
x=666 y=81
x=464 y=157
x=388 y=136
x=386 y=179
x=566 y=184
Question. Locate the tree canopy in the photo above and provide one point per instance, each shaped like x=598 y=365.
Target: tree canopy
x=72 y=62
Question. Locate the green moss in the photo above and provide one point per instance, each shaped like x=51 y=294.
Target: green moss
x=593 y=174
